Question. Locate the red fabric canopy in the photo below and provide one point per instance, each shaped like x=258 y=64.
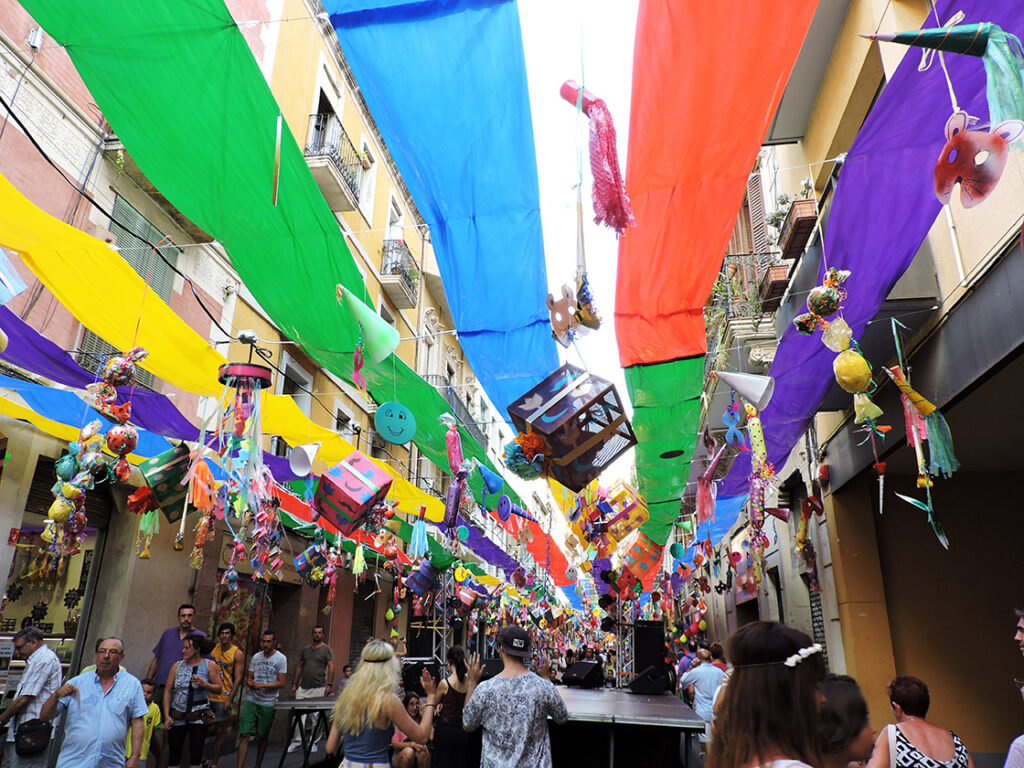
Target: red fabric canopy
x=707 y=79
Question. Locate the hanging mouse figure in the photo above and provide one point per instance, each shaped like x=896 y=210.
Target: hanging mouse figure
x=973 y=159
x=563 y=316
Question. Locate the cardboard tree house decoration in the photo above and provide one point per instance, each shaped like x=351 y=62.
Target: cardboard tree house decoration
x=581 y=420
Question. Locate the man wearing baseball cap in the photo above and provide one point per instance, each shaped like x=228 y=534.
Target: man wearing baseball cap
x=513 y=708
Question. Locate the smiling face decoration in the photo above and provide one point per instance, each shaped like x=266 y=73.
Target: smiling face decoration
x=395 y=423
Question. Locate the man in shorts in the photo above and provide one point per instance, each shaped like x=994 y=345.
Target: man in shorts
x=268 y=673
x=231 y=661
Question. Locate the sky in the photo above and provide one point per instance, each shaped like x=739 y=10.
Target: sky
x=589 y=41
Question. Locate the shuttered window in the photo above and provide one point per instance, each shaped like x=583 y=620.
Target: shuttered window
x=95 y=351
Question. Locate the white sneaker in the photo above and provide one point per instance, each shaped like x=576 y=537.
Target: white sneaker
x=295 y=745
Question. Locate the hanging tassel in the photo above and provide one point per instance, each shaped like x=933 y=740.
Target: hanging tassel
x=1004 y=74
x=418 y=543
x=707 y=490
x=935 y=429
x=142 y=501
x=202 y=487
x=149 y=526
x=611 y=203
x=940 y=446
x=359 y=561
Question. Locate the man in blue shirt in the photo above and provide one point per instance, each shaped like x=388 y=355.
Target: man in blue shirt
x=100 y=706
x=705 y=679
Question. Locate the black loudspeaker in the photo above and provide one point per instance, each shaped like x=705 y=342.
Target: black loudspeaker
x=651 y=681
x=491 y=668
x=649 y=645
x=411 y=676
x=585 y=674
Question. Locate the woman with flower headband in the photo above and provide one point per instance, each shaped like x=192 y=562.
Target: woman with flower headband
x=769 y=710
x=368 y=709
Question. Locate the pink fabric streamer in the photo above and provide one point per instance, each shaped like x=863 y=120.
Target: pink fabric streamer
x=611 y=203
x=707 y=489
x=357 y=377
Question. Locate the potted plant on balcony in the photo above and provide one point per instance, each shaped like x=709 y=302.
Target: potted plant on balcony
x=793 y=221
x=364 y=160
x=414 y=277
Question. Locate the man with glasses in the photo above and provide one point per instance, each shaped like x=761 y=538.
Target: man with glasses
x=41 y=678
x=101 y=705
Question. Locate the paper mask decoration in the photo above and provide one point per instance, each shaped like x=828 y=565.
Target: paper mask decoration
x=395 y=423
x=563 y=317
x=973 y=159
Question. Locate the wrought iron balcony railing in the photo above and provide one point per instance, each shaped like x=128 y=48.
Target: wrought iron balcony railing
x=327 y=138
x=460 y=411
x=397 y=259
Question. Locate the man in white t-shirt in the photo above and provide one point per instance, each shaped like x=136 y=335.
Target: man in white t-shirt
x=268 y=673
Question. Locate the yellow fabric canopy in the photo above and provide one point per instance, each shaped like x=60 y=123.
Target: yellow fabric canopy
x=105 y=294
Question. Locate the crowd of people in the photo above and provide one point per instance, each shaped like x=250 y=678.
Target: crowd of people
x=766 y=698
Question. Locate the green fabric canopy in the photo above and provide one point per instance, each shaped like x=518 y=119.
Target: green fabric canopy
x=178 y=83
x=665 y=420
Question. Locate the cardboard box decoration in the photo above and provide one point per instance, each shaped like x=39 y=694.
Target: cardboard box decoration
x=582 y=421
x=349 y=490
x=163 y=474
x=631 y=510
x=643 y=557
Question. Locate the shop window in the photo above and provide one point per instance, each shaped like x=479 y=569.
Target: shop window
x=46 y=589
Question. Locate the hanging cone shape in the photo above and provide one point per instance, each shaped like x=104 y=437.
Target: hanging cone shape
x=300 y=461
x=492 y=479
x=756 y=390
x=965 y=39
x=379 y=338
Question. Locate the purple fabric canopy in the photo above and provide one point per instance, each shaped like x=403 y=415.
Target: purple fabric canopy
x=486 y=549
x=884 y=206
x=152 y=411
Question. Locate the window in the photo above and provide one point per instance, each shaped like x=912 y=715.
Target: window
x=367 y=183
x=297 y=383
x=396 y=226
x=128 y=227
x=342 y=422
x=386 y=314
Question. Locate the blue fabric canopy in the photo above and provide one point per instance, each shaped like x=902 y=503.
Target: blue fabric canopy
x=66 y=407
x=446 y=83
x=727 y=512
x=154 y=412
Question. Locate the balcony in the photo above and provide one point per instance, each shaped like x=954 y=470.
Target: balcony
x=399 y=276
x=460 y=411
x=334 y=161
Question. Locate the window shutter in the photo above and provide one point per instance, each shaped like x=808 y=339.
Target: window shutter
x=138 y=254
x=755 y=202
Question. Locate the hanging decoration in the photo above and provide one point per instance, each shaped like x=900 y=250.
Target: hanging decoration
x=1000 y=52
x=247 y=495
x=580 y=421
x=973 y=159
x=77 y=472
x=924 y=423
x=348 y=492
x=804 y=546
x=563 y=317
x=395 y=422
x=611 y=203
x=823 y=301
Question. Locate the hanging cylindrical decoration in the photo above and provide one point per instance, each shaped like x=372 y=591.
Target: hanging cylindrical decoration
x=248 y=493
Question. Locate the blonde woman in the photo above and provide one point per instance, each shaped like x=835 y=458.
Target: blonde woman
x=368 y=710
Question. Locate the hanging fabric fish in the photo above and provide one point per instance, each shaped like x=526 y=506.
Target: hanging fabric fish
x=418 y=542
